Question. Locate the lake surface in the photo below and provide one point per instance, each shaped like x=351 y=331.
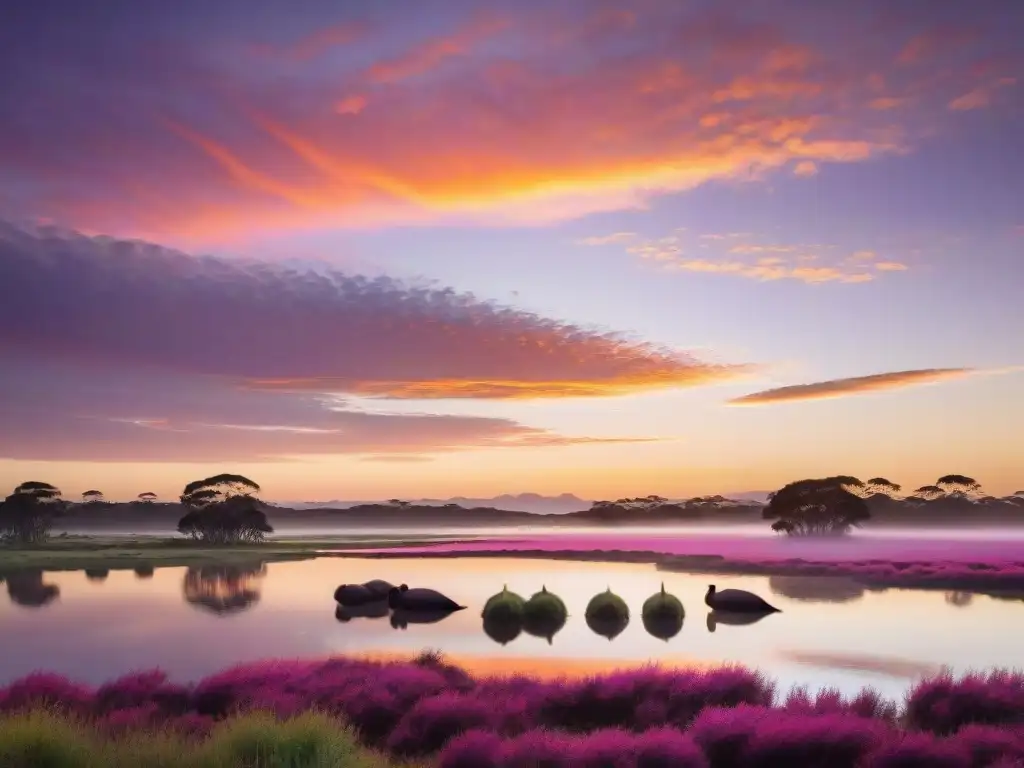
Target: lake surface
x=192 y=622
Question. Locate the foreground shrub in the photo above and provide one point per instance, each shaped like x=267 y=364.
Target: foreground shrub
x=43 y=739
x=945 y=704
x=429 y=707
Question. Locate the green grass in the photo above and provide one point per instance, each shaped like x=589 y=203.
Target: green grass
x=43 y=739
x=72 y=553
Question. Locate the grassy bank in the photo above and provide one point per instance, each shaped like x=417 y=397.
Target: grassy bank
x=47 y=739
x=289 y=713
x=71 y=553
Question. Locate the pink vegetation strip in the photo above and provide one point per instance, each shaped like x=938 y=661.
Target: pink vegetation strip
x=853 y=548
x=698 y=718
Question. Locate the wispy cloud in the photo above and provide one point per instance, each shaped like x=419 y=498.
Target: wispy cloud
x=615 y=237
x=982 y=96
x=742 y=255
x=277 y=327
x=856 y=385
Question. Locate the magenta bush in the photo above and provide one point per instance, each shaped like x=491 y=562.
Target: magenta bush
x=643 y=719
x=540 y=749
x=473 y=749
x=43 y=690
x=668 y=748
x=434 y=721
x=945 y=704
x=918 y=750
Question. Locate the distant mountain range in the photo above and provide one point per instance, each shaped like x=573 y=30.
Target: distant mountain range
x=534 y=503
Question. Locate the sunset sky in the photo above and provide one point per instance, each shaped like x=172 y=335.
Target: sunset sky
x=373 y=250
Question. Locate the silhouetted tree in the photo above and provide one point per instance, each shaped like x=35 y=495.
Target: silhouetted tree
x=879 y=485
x=928 y=493
x=824 y=506
x=782 y=526
x=959 y=485
x=398 y=503
x=223 y=509
x=147 y=498
x=223 y=589
x=92 y=497
x=27 y=514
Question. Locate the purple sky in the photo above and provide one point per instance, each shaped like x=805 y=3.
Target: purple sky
x=320 y=247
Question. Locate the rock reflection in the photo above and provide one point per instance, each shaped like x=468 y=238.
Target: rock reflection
x=501 y=629
x=731 y=619
x=223 y=589
x=401 y=618
x=377 y=610
x=959 y=599
x=817 y=589
x=27 y=589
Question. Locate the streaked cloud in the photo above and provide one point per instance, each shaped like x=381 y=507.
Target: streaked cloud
x=615 y=237
x=528 y=115
x=982 y=96
x=301 y=329
x=856 y=385
x=743 y=255
x=83 y=410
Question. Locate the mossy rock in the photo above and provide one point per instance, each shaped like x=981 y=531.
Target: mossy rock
x=607 y=614
x=504 y=606
x=663 y=615
x=544 y=615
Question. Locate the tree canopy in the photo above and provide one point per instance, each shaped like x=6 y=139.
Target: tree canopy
x=147 y=498
x=26 y=515
x=223 y=509
x=816 y=507
x=92 y=497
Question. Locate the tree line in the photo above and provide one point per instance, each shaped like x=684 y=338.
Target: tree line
x=222 y=509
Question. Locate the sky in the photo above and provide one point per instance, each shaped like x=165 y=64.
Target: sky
x=376 y=250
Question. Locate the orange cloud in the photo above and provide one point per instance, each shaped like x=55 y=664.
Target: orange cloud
x=890 y=266
x=805 y=168
x=852 y=386
x=567 y=117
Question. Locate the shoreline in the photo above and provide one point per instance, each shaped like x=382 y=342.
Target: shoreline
x=1001 y=578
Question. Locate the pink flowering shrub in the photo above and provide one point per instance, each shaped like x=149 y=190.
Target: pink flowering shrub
x=645 y=718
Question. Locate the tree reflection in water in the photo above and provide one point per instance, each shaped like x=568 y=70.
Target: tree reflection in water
x=223 y=589
x=26 y=588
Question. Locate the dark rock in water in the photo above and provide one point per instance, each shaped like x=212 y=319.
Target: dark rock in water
x=354 y=594
x=504 y=606
x=663 y=615
x=544 y=615
x=607 y=614
x=420 y=599
x=379 y=588
x=375 y=610
x=737 y=601
x=402 y=617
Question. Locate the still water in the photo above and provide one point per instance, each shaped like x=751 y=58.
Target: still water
x=192 y=622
